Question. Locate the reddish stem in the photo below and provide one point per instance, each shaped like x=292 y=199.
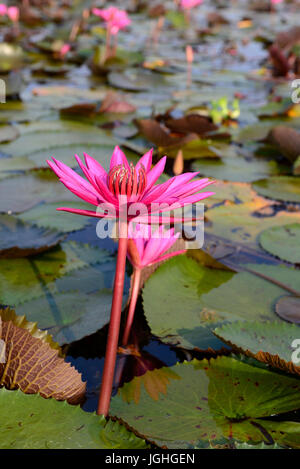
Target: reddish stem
x=108 y=43
x=114 y=325
x=133 y=300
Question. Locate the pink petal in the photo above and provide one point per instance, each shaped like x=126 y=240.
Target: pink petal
x=88 y=213
x=118 y=158
x=155 y=173
x=74 y=178
x=146 y=161
x=82 y=193
x=94 y=166
x=171 y=254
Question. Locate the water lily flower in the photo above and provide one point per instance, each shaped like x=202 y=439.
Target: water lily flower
x=3 y=9
x=135 y=183
x=145 y=249
x=116 y=19
x=13 y=13
x=189 y=4
x=65 y=48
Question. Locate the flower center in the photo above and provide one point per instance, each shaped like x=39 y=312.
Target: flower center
x=127 y=181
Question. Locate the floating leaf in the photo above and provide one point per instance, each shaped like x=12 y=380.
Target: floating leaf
x=288 y=308
x=65 y=153
x=33 y=366
x=76 y=304
x=18 y=239
x=8 y=133
x=287 y=140
x=35 y=187
x=285 y=188
x=192 y=123
x=157 y=134
x=236 y=168
x=210 y=297
x=271 y=342
x=69 y=316
x=282 y=242
x=31 y=422
x=229 y=399
x=242 y=223
x=27 y=278
x=27 y=144
x=46 y=216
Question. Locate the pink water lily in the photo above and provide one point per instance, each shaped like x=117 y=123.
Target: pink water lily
x=188 y=4
x=145 y=249
x=116 y=19
x=136 y=183
x=13 y=13
x=3 y=9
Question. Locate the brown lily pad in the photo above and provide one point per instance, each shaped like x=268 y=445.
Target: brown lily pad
x=287 y=140
x=158 y=134
x=192 y=123
x=288 y=308
x=32 y=362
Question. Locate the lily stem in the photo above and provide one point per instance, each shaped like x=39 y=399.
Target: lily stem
x=114 y=325
x=133 y=300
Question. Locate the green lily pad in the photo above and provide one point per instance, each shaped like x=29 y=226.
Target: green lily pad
x=271 y=342
x=236 y=168
x=29 y=143
x=28 y=278
x=282 y=242
x=183 y=300
x=46 y=216
x=65 y=153
x=238 y=223
x=285 y=188
x=75 y=304
x=19 y=239
x=69 y=316
x=8 y=133
x=133 y=80
x=20 y=163
x=35 y=187
x=31 y=422
x=222 y=398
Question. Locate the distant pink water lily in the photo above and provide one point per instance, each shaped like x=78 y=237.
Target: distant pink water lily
x=188 y=4
x=137 y=183
x=3 y=9
x=13 y=13
x=145 y=249
x=65 y=48
x=116 y=19
x=276 y=2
